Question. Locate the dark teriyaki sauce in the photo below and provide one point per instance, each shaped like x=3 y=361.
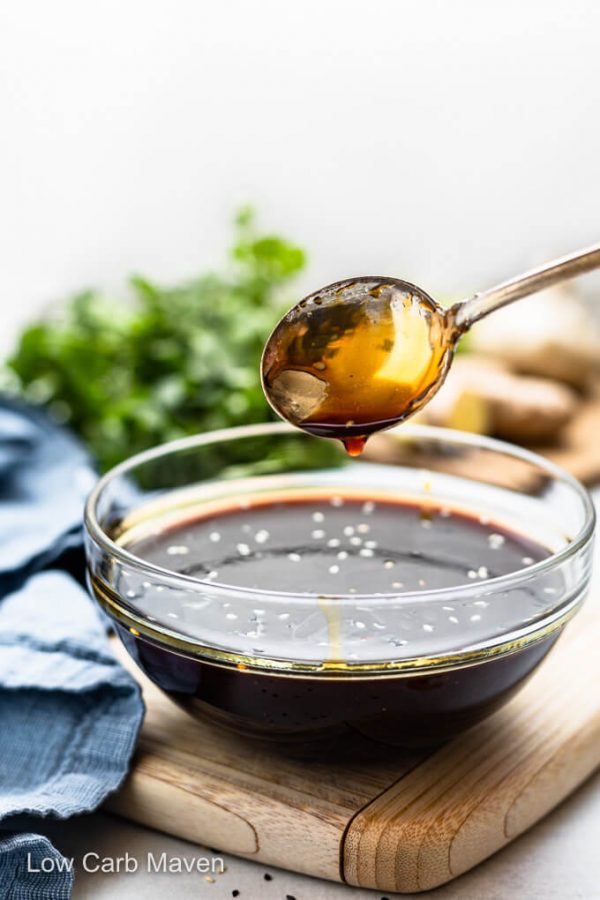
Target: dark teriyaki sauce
x=342 y=545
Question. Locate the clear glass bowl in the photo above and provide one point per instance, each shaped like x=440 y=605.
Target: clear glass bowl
x=401 y=666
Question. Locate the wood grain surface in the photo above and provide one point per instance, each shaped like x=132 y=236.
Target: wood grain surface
x=376 y=818
x=485 y=788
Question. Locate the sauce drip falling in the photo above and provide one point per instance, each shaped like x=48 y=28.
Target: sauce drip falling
x=354 y=446
x=357 y=357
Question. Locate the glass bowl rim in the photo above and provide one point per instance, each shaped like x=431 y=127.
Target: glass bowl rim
x=433 y=433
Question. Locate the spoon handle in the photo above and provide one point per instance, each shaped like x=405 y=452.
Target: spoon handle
x=469 y=311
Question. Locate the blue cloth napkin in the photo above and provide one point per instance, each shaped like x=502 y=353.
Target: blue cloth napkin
x=69 y=713
x=45 y=475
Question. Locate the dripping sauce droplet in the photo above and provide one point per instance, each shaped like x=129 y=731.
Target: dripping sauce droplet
x=354 y=446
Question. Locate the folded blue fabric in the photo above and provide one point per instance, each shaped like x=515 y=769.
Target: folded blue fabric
x=69 y=713
x=45 y=475
x=15 y=877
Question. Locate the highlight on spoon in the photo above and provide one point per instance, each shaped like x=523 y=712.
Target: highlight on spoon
x=356 y=357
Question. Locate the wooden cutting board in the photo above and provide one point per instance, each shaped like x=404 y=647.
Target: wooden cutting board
x=380 y=819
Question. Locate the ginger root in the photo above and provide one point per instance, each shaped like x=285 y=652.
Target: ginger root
x=551 y=334
x=484 y=396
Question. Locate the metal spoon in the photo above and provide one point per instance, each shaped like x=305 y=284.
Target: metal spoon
x=364 y=354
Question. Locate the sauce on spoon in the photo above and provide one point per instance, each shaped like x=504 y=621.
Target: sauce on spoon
x=357 y=357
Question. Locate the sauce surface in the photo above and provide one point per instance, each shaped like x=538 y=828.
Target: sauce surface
x=331 y=551
x=339 y=545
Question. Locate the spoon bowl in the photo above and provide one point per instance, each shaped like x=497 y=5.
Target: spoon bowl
x=358 y=356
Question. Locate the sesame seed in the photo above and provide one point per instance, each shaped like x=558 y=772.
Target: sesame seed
x=177 y=550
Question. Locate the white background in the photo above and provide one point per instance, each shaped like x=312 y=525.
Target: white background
x=449 y=142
